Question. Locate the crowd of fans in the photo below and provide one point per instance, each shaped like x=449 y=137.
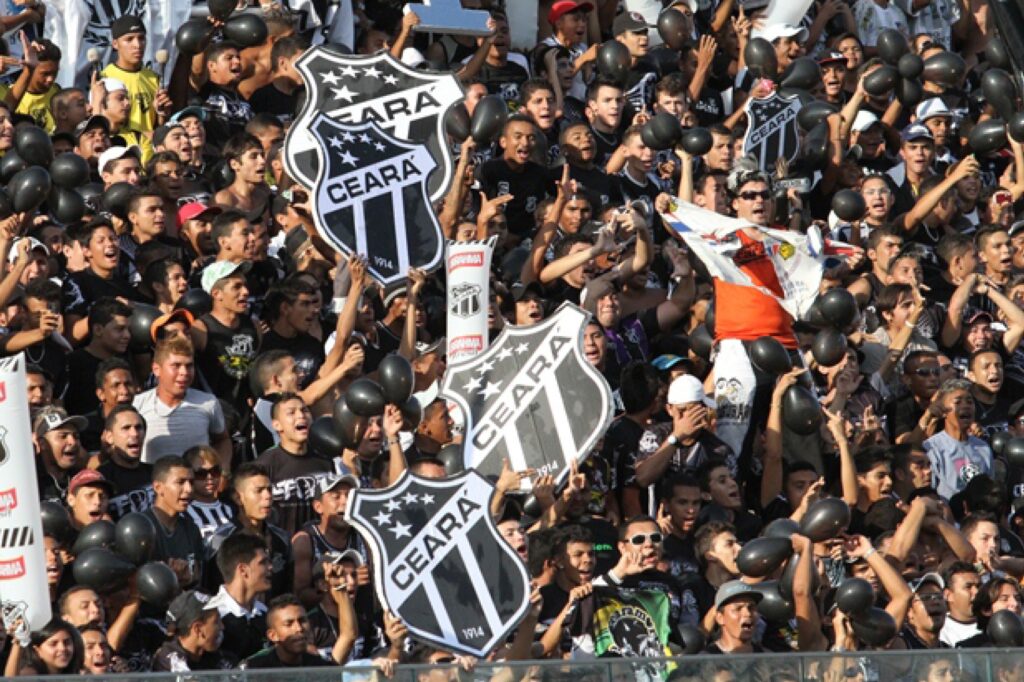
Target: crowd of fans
x=205 y=426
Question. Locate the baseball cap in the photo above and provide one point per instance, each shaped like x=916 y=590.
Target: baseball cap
x=89 y=477
x=666 y=362
x=563 y=7
x=348 y=555
x=220 y=269
x=687 y=389
x=115 y=153
x=126 y=24
x=178 y=314
x=393 y=292
x=933 y=578
x=36 y=246
x=194 y=209
x=916 y=131
x=110 y=85
x=1016 y=227
x=51 y=417
x=329 y=483
x=521 y=292
x=735 y=589
x=773 y=32
x=90 y=123
x=692 y=4
x=424 y=347
x=187 y=608
x=629 y=21
x=863 y=120
x=832 y=58
x=193 y=110
x=161 y=133
x=932 y=107
x=977 y=316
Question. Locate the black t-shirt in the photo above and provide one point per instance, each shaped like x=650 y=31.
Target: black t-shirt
x=268 y=658
x=227 y=112
x=600 y=188
x=710 y=108
x=994 y=417
x=680 y=556
x=82 y=366
x=172 y=657
x=269 y=99
x=82 y=288
x=50 y=488
x=281 y=564
x=133 y=488
x=306 y=350
x=503 y=80
x=184 y=542
x=226 y=357
x=49 y=355
x=904 y=415
x=640 y=84
x=606 y=144
x=294 y=479
x=528 y=186
x=620 y=445
x=244 y=636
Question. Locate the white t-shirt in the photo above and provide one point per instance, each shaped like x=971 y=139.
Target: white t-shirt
x=173 y=430
x=954 y=632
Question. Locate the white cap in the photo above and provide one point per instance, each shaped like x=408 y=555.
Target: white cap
x=413 y=58
x=110 y=85
x=772 y=32
x=687 y=389
x=115 y=153
x=932 y=108
x=36 y=245
x=863 y=120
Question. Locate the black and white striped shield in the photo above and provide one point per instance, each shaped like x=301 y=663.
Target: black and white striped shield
x=440 y=564
x=531 y=397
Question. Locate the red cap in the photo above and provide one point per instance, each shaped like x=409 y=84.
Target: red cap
x=563 y=7
x=195 y=209
x=89 y=477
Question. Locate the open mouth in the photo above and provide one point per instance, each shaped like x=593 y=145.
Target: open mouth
x=522 y=154
x=302 y=427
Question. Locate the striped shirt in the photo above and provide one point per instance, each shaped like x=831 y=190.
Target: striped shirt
x=173 y=430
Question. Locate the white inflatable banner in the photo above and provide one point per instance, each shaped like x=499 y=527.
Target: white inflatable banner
x=468 y=267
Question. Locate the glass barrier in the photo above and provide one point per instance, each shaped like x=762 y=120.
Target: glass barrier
x=944 y=665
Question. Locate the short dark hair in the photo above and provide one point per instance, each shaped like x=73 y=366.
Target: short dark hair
x=261 y=122
x=287 y=291
x=286 y=47
x=638 y=386
x=704 y=472
x=43 y=290
x=238 y=548
x=982 y=236
x=568 y=534
x=598 y=83
x=880 y=233
x=215 y=50
x=531 y=86
x=263 y=367
x=118 y=410
x=47 y=51
x=282 y=601
x=668 y=486
x=225 y=223
x=239 y=143
x=639 y=518
x=705 y=536
x=868 y=458
x=243 y=472
x=163 y=466
x=539 y=548
x=917 y=357
x=281 y=400
x=110 y=365
x=105 y=309
x=952 y=245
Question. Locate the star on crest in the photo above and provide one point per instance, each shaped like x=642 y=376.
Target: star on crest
x=401 y=530
x=522 y=348
x=382 y=518
x=410 y=498
x=378 y=146
x=473 y=384
x=393 y=505
x=348 y=137
x=330 y=78
x=336 y=142
x=366 y=139
x=485 y=368
x=491 y=389
x=343 y=93
x=349 y=159
x=505 y=354
x=427 y=499
x=390 y=80
x=373 y=72
x=349 y=72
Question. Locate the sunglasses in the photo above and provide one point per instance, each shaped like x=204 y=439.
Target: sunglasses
x=640 y=538
x=750 y=196
x=927 y=371
x=212 y=472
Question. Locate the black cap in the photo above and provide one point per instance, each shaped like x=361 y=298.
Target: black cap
x=629 y=22
x=521 y=292
x=90 y=123
x=126 y=24
x=187 y=608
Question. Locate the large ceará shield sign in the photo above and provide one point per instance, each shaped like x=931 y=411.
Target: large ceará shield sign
x=371 y=198
x=772 y=132
x=439 y=562
x=407 y=103
x=531 y=397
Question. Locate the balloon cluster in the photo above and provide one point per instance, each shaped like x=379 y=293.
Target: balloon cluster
x=833 y=312
x=33 y=176
x=663 y=131
x=245 y=30
x=107 y=555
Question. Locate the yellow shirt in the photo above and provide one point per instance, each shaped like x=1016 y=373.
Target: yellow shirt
x=142 y=86
x=143 y=141
x=38 y=107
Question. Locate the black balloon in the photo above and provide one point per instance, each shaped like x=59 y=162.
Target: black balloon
x=773 y=606
x=662 y=132
x=849 y=205
x=910 y=66
x=102 y=570
x=10 y=165
x=814 y=148
x=614 y=61
x=825 y=519
x=324 y=439
x=985 y=138
x=451 y=456
x=33 y=144
x=696 y=141
x=1000 y=92
x=56 y=520
x=709 y=316
x=69 y=170
x=456 y=123
x=803 y=96
x=412 y=413
x=92 y=192
x=365 y=398
x=66 y=205
x=196 y=301
x=221 y=9
x=29 y=188
x=157 y=584
x=115 y=199
x=221 y=175
x=999 y=441
x=829 y=347
x=814 y=316
x=759 y=56
x=881 y=81
x=909 y=91
x=701 y=342
x=489 y=118
x=6 y=205
x=995 y=53
x=854 y=596
x=140 y=325
x=763 y=556
x=1005 y=629
x=770 y=356
x=98 y=534
x=1014 y=451
x=396 y=378
x=838 y=307
x=789 y=573
x=675 y=29
x=801 y=412
x=350 y=426
x=193 y=36
x=1015 y=127
x=246 y=30
x=891 y=45
x=814 y=113
x=802 y=73
x=946 y=69
x=875 y=627
x=692 y=638
x=781 y=528
x=135 y=537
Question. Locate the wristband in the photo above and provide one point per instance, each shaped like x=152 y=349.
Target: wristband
x=869 y=553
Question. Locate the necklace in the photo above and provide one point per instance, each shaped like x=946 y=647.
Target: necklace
x=36 y=360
